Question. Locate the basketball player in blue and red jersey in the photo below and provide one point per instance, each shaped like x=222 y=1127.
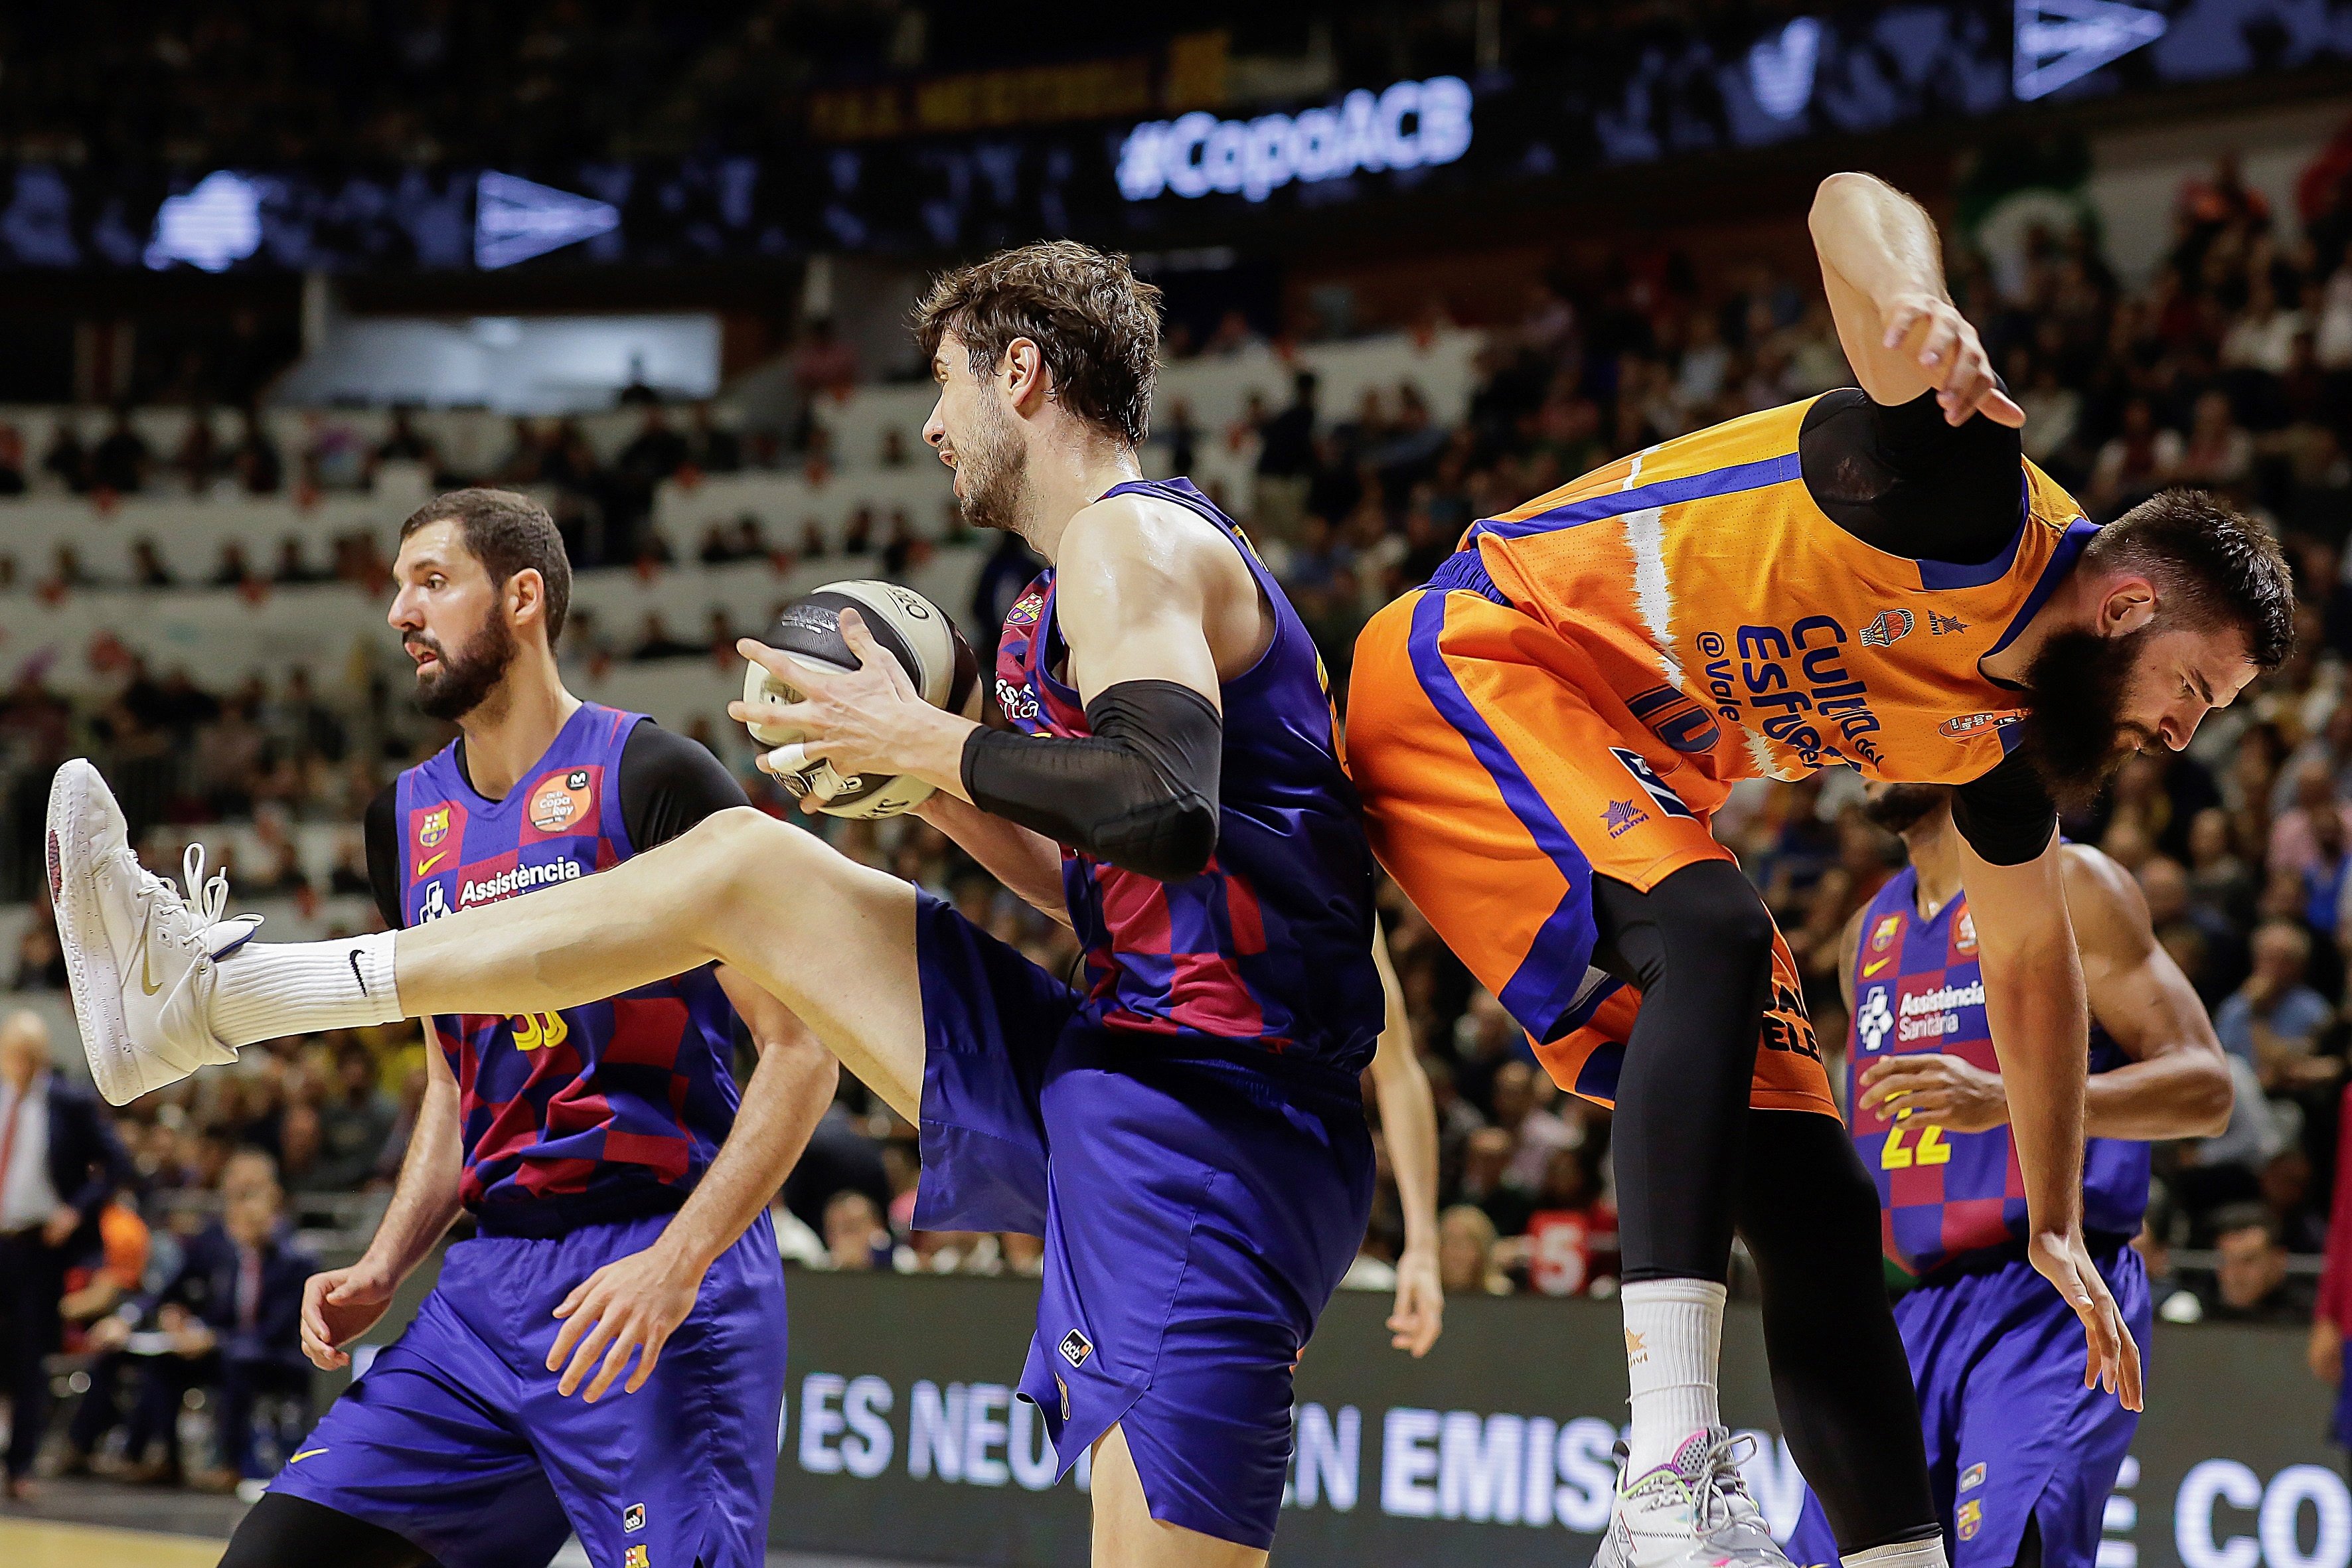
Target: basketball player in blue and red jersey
x=1185 y=1128
x=579 y=1139
x=2021 y=1454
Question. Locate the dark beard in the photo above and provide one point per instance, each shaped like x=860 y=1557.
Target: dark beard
x=991 y=497
x=2070 y=733
x=468 y=676
x=1900 y=807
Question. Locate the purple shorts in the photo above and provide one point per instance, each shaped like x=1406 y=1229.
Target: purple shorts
x=2012 y=1434
x=456 y=1437
x=1196 y=1218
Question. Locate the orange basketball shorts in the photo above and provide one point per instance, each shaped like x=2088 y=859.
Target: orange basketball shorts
x=1499 y=775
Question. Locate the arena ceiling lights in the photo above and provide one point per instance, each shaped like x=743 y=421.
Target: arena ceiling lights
x=516 y=219
x=2061 y=41
x=1410 y=125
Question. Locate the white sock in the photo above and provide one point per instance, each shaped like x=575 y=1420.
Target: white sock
x=1673 y=1330
x=1928 y=1553
x=265 y=991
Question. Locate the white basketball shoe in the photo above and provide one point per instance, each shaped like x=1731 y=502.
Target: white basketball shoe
x=1693 y=1511
x=139 y=953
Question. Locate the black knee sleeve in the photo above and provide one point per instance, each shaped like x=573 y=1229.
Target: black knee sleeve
x=1699 y=944
x=1809 y=1212
x=285 y=1531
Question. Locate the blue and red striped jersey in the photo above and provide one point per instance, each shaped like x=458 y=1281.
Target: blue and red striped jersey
x=602 y=1111
x=1269 y=949
x=1917 y=988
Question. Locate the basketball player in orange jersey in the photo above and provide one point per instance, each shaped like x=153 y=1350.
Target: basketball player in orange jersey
x=1877 y=579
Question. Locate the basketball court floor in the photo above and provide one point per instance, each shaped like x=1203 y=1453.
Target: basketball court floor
x=96 y=1524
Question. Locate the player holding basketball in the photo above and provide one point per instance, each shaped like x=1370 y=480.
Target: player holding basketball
x=2021 y=1454
x=1875 y=578
x=579 y=1138
x=1210 y=1171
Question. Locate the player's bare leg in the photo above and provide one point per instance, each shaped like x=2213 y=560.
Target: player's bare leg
x=1127 y=1536
x=834 y=941
x=164 y=986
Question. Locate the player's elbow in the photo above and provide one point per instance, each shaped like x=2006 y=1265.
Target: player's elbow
x=1831 y=197
x=2207 y=1099
x=1168 y=841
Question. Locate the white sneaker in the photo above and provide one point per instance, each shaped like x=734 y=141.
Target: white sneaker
x=139 y=956
x=1694 y=1512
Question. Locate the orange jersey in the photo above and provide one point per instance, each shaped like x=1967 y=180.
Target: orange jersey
x=1752 y=635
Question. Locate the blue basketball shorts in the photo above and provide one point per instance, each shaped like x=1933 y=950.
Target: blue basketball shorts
x=2012 y=1435
x=455 y=1438
x=1195 y=1223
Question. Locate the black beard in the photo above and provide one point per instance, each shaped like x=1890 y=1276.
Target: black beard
x=467 y=677
x=2070 y=733
x=991 y=497
x=1900 y=807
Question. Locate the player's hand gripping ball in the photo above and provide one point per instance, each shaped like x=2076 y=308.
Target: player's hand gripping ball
x=906 y=625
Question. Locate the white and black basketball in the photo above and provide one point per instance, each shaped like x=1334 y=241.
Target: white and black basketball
x=906 y=625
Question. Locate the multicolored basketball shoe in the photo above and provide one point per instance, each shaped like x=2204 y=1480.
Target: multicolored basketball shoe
x=1693 y=1511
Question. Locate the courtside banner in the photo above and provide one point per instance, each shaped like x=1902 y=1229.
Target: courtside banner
x=902 y=1437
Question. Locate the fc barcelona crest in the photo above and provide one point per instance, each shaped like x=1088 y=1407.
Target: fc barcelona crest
x=434 y=828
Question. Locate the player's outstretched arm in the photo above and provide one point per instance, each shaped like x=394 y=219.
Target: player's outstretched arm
x=2035 y=1004
x=1409 y=1123
x=633 y=1304
x=338 y=1305
x=1882 y=265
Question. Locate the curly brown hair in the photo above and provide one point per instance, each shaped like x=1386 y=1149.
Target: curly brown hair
x=1095 y=323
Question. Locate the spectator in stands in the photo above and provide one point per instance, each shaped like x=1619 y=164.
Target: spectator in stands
x=147 y=568
x=857 y=539
x=40 y=961
x=1466 y=1253
x=2250 y=1283
x=855 y=1235
x=333 y=456
x=230 y=1317
x=1535 y=1133
x=254 y=459
x=1287 y=460
x=11 y=460
x=656 y=452
x=2142 y=459
x=404 y=443
x=198 y=458
x=68 y=460
x=1572 y=1239
x=710 y=446
x=294 y=563
x=655 y=642
x=59 y=1164
x=2274 y=1020
x=1485 y=1185
x=822 y=364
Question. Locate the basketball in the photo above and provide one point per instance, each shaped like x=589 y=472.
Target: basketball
x=909 y=627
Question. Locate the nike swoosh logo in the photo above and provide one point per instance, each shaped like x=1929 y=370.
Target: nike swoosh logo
x=354 y=956
x=1870 y=969
x=147 y=981
x=425 y=866
x=304 y=1454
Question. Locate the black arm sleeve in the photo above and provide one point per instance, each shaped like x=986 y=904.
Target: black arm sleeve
x=1907 y=480
x=669 y=783
x=2007 y=817
x=383 y=836
x=1141 y=792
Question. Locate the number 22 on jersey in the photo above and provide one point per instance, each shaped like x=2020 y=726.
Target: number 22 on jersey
x=1928 y=1150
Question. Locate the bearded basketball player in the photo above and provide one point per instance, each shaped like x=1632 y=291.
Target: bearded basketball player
x=1875 y=578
